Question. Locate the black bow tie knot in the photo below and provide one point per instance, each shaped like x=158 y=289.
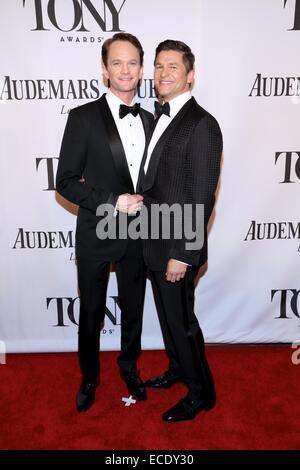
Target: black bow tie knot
x=161 y=109
x=124 y=110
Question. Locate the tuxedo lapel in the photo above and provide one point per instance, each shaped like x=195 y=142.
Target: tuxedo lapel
x=141 y=177
x=148 y=180
x=115 y=144
x=148 y=126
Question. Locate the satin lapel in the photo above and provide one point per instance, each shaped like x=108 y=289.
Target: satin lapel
x=115 y=144
x=147 y=128
x=141 y=177
x=158 y=149
x=146 y=123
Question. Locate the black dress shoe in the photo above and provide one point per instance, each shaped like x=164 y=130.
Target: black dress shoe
x=187 y=408
x=86 y=396
x=135 y=386
x=165 y=380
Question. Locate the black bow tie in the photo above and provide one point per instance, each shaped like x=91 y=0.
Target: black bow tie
x=161 y=109
x=124 y=110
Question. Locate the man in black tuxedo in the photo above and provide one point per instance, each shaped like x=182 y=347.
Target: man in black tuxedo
x=99 y=163
x=182 y=166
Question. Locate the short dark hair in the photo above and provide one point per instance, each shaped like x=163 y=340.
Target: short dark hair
x=188 y=57
x=121 y=37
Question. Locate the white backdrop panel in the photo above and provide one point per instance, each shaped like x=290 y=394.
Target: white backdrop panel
x=250 y=291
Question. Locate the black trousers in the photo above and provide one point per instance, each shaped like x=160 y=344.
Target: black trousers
x=92 y=282
x=182 y=334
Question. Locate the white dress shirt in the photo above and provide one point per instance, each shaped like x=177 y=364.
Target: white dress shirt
x=132 y=134
x=163 y=122
x=175 y=106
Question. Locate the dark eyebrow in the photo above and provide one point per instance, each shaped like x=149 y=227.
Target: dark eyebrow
x=170 y=63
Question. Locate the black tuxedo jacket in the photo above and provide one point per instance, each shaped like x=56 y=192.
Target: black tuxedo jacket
x=92 y=149
x=184 y=169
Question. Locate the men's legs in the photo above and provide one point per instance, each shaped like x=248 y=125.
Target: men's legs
x=92 y=282
x=174 y=365
x=131 y=277
x=176 y=301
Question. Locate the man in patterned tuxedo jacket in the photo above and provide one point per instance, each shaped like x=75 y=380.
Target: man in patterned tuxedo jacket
x=182 y=166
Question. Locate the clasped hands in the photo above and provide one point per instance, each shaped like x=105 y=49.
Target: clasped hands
x=129 y=203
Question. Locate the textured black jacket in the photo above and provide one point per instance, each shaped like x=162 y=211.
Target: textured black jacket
x=184 y=168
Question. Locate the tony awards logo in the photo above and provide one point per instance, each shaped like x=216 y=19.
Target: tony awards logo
x=77 y=15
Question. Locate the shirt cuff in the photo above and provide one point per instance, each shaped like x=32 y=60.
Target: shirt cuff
x=182 y=262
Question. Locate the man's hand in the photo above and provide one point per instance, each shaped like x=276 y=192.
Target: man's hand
x=175 y=270
x=129 y=203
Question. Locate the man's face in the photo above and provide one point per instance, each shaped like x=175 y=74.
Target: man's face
x=170 y=75
x=123 y=68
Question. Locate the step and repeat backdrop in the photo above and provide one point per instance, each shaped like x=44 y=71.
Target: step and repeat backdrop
x=247 y=75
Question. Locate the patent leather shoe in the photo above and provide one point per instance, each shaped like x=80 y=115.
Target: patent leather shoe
x=165 y=380
x=135 y=385
x=187 y=408
x=86 y=396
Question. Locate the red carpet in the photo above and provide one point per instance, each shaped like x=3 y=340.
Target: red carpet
x=258 y=404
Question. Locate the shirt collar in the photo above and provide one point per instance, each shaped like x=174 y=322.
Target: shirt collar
x=114 y=102
x=177 y=103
